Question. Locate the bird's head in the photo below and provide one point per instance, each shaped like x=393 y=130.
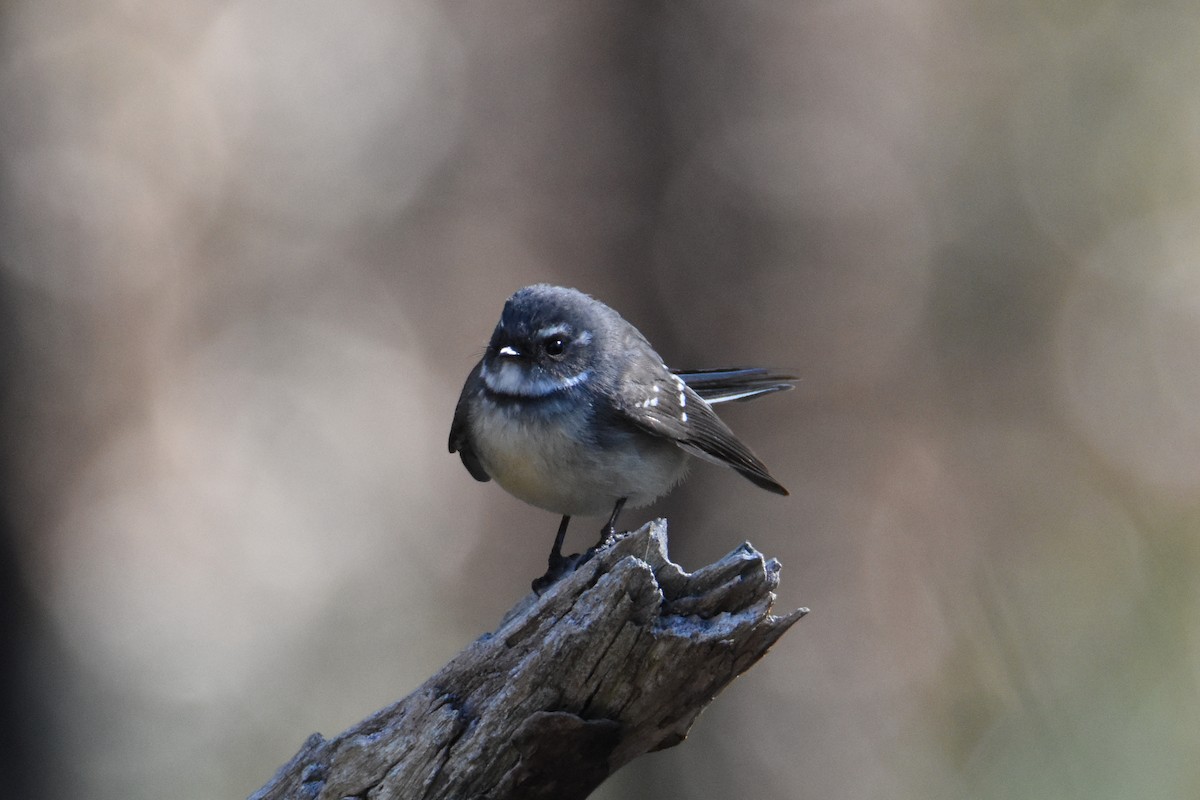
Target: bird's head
x=548 y=340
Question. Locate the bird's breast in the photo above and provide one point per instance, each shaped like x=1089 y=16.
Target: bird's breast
x=551 y=458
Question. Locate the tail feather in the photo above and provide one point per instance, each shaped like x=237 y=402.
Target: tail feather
x=735 y=384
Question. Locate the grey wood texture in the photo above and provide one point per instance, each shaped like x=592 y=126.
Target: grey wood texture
x=615 y=660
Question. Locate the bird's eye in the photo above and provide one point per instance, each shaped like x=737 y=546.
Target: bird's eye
x=555 y=346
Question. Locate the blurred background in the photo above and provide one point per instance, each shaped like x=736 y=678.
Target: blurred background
x=249 y=251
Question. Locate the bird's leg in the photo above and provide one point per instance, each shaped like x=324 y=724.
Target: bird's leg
x=556 y=556
x=558 y=565
x=610 y=529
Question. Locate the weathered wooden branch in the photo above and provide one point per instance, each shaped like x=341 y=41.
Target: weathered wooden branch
x=615 y=660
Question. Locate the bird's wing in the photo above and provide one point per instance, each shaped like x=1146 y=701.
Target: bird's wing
x=664 y=405
x=460 y=434
x=735 y=384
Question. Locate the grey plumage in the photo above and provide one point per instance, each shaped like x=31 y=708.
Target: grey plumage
x=572 y=410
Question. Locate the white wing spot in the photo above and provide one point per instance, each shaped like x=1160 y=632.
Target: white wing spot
x=683 y=417
x=653 y=401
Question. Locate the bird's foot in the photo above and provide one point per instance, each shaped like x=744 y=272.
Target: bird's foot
x=596 y=548
x=607 y=534
x=559 y=566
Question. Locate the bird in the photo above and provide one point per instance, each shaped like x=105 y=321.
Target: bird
x=571 y=410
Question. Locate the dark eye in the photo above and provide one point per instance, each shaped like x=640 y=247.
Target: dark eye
x=554 y=346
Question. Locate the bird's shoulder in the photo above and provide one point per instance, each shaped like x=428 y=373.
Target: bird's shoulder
x=654 y=398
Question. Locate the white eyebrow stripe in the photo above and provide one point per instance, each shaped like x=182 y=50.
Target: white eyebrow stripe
x=551 y=330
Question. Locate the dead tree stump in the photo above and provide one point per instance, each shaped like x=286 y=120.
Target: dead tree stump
x=615 y=660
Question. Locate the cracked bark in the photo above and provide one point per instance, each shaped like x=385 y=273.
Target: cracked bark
x=615 y=660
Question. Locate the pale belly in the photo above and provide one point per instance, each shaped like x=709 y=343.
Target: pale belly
x=559 y=471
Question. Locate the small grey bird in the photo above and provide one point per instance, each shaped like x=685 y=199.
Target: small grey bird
x=571 y=410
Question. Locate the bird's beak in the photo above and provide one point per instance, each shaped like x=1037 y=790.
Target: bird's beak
x=509 y=351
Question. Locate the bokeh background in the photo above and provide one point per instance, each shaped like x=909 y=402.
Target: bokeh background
x=249 y=249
